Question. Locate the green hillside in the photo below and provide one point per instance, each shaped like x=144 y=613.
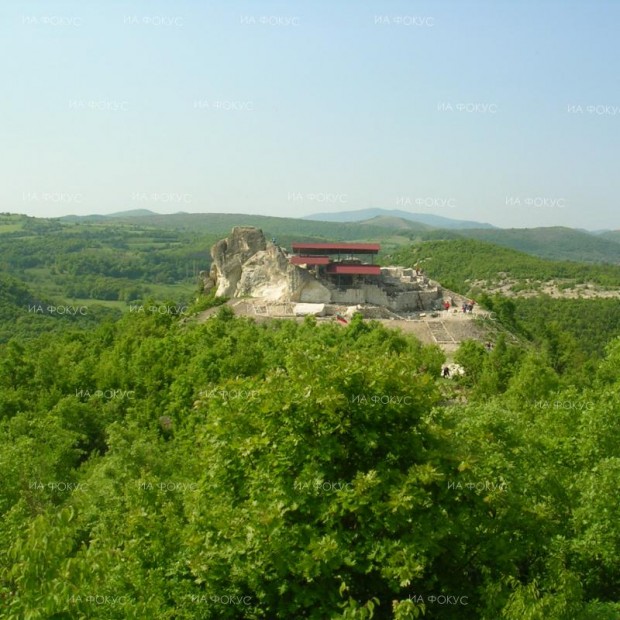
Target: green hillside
x=396 y=223
x=27 y=315
x=220 y=224
x=589 y=323
x=612 y=235
x=556 y=243
x=392 y=230
x=115 y=263
x=459 y=262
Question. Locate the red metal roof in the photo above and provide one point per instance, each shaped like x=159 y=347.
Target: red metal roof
x=335 y=248
x=310 y=260
x=366 y=270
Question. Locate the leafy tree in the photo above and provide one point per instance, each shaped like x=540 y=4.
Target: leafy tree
x=471 y=355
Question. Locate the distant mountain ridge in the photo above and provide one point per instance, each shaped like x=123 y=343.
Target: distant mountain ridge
x=96 y=217
x=393 y=222
x=360 y=215
x=133 y=213
x=386 y=226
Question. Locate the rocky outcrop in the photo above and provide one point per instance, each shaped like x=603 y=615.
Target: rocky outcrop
x=245 y=264
x=266 y=274
x=230 y=254
x=207 y=282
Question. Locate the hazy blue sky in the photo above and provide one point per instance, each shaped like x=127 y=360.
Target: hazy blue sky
x=505 y=112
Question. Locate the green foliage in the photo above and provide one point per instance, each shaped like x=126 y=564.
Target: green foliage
x=471 y=355
x=456 y=263
x=589 y=323
x=26 y=315
x=204 y=302
x=555 y=242
x=536 y=379
x=304 y=469
x=109 y=262
x=228 y=469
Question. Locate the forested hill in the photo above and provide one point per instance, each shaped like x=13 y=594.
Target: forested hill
x=285 y=228
x=459 y=262
x=613 y=235
x=558 y=242
x=26 y=315
x=392 y=232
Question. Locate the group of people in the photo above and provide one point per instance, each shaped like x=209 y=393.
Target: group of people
x=468 y=306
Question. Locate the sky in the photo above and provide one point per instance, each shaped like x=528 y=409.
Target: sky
x=506 y=112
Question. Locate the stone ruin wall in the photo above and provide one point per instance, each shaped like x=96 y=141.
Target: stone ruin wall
x=403 y=290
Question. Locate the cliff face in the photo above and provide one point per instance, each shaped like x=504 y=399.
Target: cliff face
x=245 y=264
x=230 y=254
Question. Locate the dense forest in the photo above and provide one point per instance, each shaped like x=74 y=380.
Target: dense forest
x=104 y=262
x=158 y=465
x=283 y=470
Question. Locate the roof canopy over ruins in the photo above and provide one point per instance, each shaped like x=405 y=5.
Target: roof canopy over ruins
x=246 y=265
x=318 y=256
x=328 y=249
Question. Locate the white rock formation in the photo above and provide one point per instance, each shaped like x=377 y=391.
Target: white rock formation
x=245 y=264
x=231 y=253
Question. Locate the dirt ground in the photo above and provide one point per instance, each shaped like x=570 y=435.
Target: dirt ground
x=448 y=329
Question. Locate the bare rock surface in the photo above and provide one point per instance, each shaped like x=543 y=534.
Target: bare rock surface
x=230 y=254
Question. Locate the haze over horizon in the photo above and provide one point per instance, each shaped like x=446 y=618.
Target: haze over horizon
x=505 y=113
